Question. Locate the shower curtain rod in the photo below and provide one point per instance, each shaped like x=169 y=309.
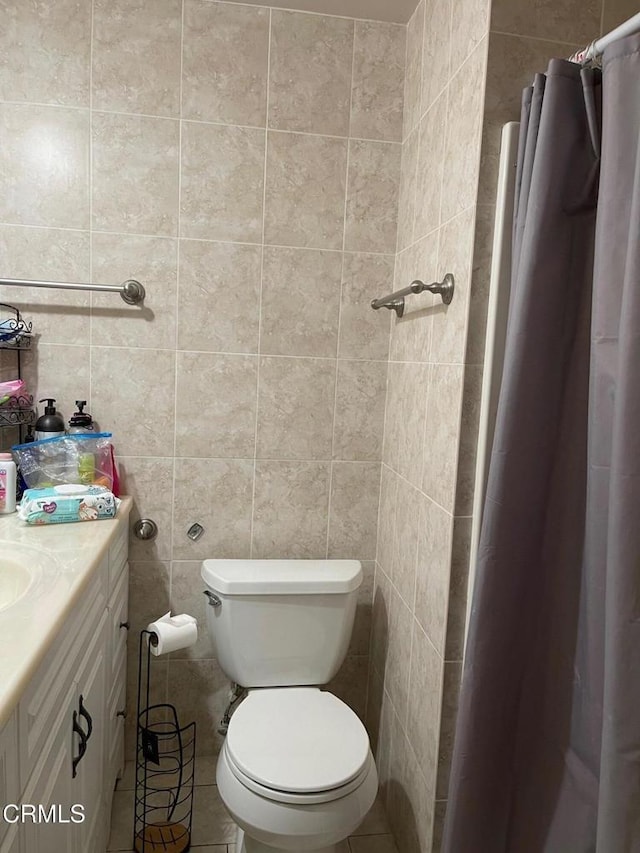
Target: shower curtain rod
x=598 y=47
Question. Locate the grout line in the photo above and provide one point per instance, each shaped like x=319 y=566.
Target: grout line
x=436 y=98
x=176 y=335
x=425 y=427
x=421 y=108
x=128 y=234
x=402 y=133
x=455 y=73
x=288 y=460
x=425 y=494
x=55 y=106
x=446 y=94
x=454 y=70
x=302 y=460
x=438 y=228
x=418 y=130
x=549 y=41
x=340 y=302
x=6 y=224
x=264 y=225
x=238 y=355
x=283 y=130
x=439 y=654
x=316 y=14
x=411 y=127
x=180 y=117
x=414 y=622
x=384 y=430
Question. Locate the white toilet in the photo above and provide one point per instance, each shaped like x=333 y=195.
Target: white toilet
x=296 y=771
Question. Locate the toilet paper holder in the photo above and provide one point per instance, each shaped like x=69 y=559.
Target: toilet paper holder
x=165 y=762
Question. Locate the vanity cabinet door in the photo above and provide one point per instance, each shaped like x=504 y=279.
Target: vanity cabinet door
x=51 y=785
x=39 y=705
x=91 y=692
x=70 y=770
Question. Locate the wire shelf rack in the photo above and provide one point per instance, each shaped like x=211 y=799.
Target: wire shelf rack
x=17 y=412
x=15 y=332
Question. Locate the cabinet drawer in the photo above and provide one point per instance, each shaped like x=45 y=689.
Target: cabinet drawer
x=118 y=615
x=41 y=700
x=118 y=553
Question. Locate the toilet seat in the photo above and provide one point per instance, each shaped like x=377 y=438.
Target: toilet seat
x=297 y=744
x=290 y=798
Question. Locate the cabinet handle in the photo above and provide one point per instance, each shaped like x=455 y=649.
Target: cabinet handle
x=77 y=728
x=84 y=713
x=124 y=625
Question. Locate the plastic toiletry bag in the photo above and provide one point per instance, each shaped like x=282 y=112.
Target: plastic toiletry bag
x=85 y=459
x=11 y=391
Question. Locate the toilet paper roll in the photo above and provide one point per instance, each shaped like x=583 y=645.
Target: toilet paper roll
x=173 y=633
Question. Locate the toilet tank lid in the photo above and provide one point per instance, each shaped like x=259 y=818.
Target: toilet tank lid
x=282 y=577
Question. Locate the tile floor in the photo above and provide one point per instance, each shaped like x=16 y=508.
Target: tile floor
x=214 y=830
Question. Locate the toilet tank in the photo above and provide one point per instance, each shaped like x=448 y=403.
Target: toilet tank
x=281 y=622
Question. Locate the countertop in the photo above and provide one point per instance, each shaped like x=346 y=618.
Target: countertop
x=66 y=555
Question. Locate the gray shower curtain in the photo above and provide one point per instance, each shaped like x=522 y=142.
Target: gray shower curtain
x=547 y=748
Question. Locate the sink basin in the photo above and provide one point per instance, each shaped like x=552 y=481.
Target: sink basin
x=15 y=581
x=21 y=568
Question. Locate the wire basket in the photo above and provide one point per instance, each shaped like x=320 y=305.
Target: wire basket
x=165 y=762
x=15 y=332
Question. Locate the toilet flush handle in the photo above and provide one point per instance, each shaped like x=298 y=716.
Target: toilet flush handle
x=214 y=601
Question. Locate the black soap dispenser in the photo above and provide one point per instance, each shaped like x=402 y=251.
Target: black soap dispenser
x=49 y=425
x=80 y=421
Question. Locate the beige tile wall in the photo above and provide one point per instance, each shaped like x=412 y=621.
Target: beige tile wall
x=244 y=163
x=424 y=523
x=467 y=62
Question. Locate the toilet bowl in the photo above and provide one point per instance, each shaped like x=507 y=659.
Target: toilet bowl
x=296 y=771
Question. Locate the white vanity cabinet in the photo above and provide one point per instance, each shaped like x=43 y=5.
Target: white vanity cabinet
x=9 y=775
x=67 y=733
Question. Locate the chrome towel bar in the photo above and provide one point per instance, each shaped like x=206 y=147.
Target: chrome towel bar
x=395 y=301
x=131 y=290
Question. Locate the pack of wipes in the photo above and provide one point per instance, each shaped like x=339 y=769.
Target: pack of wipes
x=67 y=503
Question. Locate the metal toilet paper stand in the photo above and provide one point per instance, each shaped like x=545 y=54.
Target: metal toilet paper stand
x=165 y=763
